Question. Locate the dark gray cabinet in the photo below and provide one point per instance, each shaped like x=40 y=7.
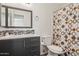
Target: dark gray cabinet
x=20 y=47
x=27 y=45
x=35 y=49
x=5 y=47
x=17 y=47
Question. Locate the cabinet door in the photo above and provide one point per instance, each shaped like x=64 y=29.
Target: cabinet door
x=18 y=47
x=35 y=46
x=5 y=47
x=27 y=46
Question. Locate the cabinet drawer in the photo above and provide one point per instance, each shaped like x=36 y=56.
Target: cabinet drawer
x=35 y=43
x=35 y=48
x=27 y=51
x=35 y=53
x=35 y=39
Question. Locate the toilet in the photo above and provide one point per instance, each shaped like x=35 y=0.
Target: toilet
x=45 y=41
x=54 y=50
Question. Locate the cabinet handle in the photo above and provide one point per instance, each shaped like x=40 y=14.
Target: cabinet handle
x=24 y=44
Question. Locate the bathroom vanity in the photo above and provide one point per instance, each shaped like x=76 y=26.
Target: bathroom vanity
x=17 y=42
x=20 y=45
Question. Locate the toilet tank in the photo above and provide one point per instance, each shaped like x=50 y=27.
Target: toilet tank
x=46 y=40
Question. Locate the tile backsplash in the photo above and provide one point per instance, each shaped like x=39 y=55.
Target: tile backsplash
x=15 y=32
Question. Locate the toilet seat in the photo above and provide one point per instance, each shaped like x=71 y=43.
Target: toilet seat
x=55 y=49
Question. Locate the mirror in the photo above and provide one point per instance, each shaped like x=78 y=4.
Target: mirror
x=19 y=18
x=3 y=16
x=15 y=17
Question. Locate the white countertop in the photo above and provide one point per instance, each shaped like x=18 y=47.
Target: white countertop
x=18 y=36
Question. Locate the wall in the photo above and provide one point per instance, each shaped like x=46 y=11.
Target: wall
x=45 y=13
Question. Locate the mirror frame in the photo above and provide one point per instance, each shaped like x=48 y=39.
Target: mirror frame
x=6 y=16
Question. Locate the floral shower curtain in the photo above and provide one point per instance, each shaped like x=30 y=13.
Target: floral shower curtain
x=66 y=29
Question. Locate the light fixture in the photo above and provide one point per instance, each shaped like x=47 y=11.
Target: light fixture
x=27 y=4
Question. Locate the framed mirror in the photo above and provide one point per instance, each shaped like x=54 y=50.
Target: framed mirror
x=3 y=17
x=12 y=17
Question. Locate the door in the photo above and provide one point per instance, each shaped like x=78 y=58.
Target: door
x=18 y=47
x=5 y=47
x=27 y=47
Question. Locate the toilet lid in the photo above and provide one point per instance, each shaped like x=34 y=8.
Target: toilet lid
x=55 y=49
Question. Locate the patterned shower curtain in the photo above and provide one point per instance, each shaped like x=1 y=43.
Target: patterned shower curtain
x=66 y=29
